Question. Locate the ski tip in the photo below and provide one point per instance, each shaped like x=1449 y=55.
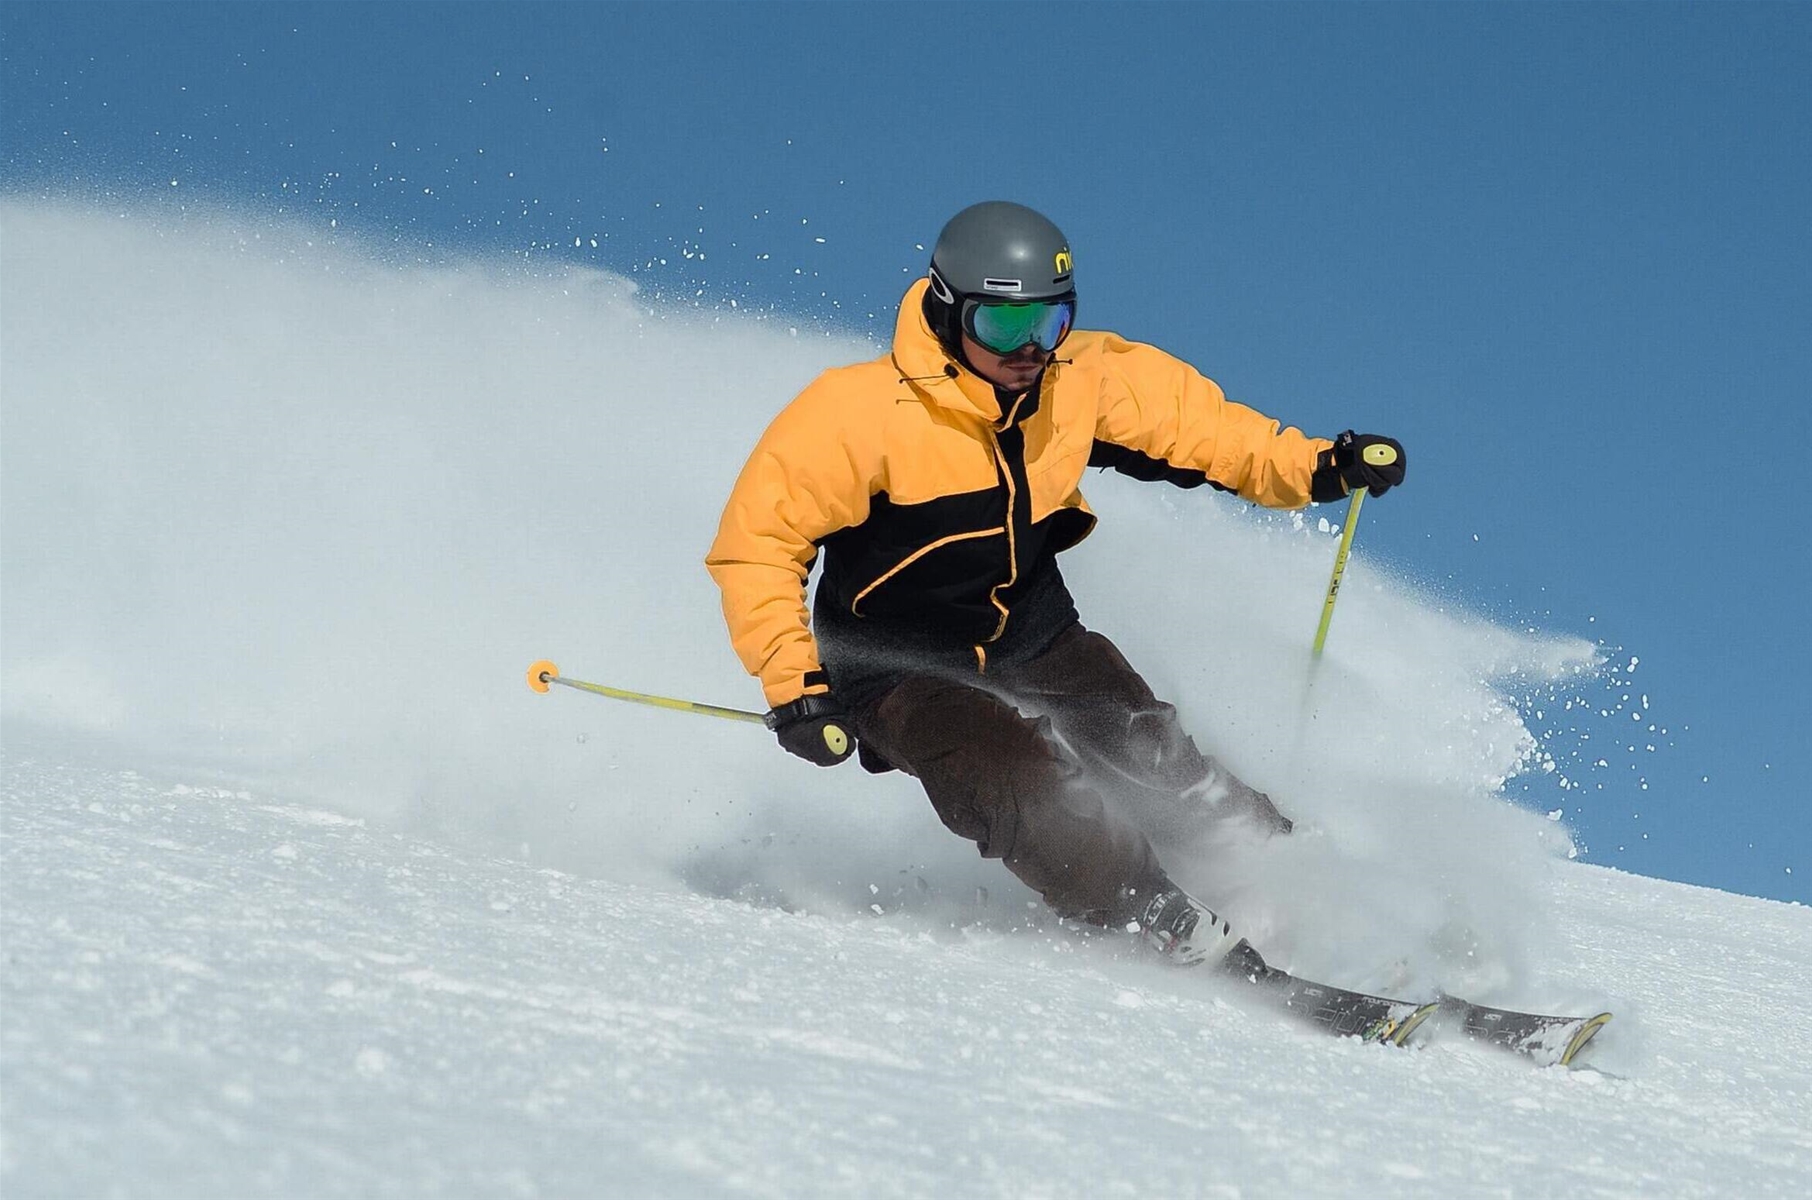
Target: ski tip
x=542 y=673
x=1586 y=1033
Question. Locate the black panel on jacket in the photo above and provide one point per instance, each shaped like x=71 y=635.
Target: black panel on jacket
x=1132 y=462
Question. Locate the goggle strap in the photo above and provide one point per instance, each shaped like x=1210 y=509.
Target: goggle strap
x=940 y=289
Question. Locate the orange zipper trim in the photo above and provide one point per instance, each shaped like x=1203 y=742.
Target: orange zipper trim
x=1000 y=464
x=922 y=551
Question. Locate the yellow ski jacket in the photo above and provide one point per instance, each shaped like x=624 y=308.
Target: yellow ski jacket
x=935 y=500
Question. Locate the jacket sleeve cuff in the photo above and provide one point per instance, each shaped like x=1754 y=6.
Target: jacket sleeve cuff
x=813 y=683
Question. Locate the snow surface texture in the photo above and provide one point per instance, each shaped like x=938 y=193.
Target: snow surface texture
x=305 y=892
x=225 y=993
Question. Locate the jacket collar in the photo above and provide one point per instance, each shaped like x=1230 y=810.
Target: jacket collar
x=930 y=371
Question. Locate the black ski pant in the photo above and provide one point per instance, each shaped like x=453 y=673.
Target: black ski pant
x=1021 y=760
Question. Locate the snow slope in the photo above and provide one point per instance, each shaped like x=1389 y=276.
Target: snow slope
x=229 y=993
x=305 y=893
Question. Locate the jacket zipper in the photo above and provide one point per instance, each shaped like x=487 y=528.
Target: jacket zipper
x=1006 y=474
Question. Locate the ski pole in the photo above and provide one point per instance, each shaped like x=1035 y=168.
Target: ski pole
x=1378 y=455
x=1346 y=546
x=543 y=673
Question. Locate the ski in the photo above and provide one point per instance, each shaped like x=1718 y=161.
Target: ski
x=1338 y=1011
x=1549 y=1040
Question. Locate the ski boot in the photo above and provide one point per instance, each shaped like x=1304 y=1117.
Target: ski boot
x=1187 y=933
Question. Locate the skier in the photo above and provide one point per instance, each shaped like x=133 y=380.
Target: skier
x=940 y=482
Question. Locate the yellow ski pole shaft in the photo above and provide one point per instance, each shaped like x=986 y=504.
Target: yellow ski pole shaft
x=1378 y=455
x=1346 y=547
x=544 y=673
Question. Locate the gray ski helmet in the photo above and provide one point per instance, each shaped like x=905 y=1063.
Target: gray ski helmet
x=998 y=250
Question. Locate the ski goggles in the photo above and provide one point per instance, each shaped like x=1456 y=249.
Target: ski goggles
x=1004 y=328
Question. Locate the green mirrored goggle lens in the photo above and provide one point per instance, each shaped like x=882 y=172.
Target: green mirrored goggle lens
x=1004 y=328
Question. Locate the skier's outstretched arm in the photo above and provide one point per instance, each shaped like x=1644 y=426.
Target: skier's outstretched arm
x=807 y=478
x=1160 y=418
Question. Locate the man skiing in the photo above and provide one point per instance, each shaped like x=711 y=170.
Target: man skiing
x=939 y=483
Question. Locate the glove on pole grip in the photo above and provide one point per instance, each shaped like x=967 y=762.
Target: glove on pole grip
x=1357 y=462
x=814 y=728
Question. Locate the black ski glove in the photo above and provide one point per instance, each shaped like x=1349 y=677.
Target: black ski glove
x=814 y=728
x=1356 y=460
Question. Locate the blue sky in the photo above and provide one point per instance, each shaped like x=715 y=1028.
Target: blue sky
x=1563 y=252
